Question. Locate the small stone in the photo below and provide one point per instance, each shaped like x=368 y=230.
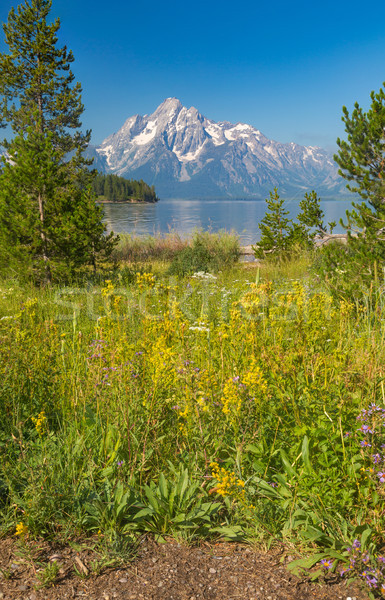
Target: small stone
x=22 y=588
x=160 y=584
x=55 y=557
x=123 y=580
x=32 y=596
x=212 y=571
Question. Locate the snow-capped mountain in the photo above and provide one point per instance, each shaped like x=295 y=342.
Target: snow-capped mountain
x=186 y=155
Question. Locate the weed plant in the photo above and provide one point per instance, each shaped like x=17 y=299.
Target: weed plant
x=203 y=406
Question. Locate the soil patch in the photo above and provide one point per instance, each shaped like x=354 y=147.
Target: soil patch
x=169 y=571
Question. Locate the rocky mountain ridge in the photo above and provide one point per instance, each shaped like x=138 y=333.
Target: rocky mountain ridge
x=186 y=155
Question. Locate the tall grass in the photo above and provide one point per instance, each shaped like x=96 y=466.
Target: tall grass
x=202 y=250
x=140 y=249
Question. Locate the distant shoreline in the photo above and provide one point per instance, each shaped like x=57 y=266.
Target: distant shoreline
x=126 y=201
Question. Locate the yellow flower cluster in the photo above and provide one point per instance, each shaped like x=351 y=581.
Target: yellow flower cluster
x=254 y=379
x=145 y=280
x=116 y=301
x=229 y=485
x=251 y=302
x=297 y=297
x=346 y=308
x=21 y=530
x=40 y=422
x=162 y=359
x=109 y=289
x=231 y=399
x=265 y=288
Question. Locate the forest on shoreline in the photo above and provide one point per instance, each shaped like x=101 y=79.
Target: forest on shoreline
x=112 y=188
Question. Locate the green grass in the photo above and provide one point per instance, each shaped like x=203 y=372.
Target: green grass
x=204 y=406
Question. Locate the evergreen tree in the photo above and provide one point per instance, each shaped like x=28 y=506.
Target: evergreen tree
x=310 y=222
x=275 y=228
x=46 y=211
x=281 y=235
x=362 y=163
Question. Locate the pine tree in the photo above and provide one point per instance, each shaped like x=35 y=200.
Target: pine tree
x=275 y=228
x=42 y=192
x=362 y=163
x=36 y=82
x=310 y=222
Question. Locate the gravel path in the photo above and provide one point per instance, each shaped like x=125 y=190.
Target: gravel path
x=169 y=571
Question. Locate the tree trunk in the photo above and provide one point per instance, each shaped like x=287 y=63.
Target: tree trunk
x=48 y=274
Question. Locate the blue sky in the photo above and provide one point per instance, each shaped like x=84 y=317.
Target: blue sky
x=285 y=67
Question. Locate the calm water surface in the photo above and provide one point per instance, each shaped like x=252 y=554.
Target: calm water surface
x=184 y=216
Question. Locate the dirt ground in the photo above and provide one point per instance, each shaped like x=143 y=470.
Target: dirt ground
x=168 y=571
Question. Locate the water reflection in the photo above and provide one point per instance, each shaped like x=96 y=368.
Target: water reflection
x=184 y=216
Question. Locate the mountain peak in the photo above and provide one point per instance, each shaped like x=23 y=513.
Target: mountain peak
x=169 y=105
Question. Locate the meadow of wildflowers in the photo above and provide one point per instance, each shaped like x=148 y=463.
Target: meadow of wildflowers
x=235 y=405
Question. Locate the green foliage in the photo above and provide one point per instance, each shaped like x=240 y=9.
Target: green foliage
x=112 y=511
x=206 y=252
x=119 y=189
x=361 y=162
x=275 y=228
x=177 y=506
x=280 y=236
x=347 y=273
x=48 y=217
x=36 y=86
x=361 y=156
x=48 y=575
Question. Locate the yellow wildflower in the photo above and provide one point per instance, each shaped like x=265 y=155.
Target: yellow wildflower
x=40 y=422
x=21 y=530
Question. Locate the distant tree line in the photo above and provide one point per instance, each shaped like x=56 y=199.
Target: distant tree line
x=118 y=189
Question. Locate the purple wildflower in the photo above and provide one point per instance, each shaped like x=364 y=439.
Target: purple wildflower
x=365 y=444
x=365 y=429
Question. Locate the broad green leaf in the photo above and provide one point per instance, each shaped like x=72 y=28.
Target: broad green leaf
x=151 y=497
x=286 y=464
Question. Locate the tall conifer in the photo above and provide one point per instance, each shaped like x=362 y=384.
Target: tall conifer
x=361 y=159
x=42 y=191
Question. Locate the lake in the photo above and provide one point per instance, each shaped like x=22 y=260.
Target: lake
x=184 y=216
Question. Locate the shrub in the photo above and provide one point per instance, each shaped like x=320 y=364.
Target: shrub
x=206 y=252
